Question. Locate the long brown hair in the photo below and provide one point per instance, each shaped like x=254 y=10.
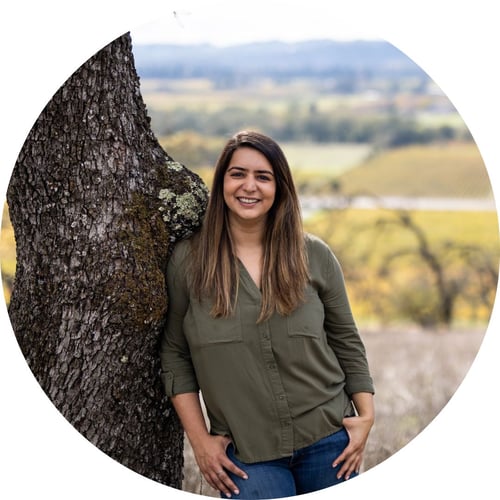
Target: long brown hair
x=214 y=265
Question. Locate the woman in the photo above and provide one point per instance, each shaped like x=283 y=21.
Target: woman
x=259 y=321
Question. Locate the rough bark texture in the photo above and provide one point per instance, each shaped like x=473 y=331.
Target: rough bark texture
x=96 y=205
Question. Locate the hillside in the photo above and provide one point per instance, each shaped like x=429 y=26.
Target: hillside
x=275 y=59
x=447 y=170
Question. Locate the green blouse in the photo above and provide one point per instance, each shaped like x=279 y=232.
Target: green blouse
x=275 y=386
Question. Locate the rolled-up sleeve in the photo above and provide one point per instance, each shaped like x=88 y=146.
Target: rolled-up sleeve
x=177 y=372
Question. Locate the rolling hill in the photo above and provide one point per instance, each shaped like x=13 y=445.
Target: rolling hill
x=440 y=170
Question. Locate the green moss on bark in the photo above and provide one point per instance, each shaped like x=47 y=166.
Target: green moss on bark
x=150 y=226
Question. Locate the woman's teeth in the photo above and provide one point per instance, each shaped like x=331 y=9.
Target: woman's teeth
x=248 y=200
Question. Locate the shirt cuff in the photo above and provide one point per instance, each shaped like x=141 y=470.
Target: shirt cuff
x=356 y=386
x=178 y=385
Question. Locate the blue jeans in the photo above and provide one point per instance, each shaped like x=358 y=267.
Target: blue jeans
x=308 y=469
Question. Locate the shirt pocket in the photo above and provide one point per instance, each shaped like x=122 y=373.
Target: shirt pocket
x=210 y=331
x=308 y=319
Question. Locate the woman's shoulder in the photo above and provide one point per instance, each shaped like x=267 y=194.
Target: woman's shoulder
x=182 y=246
x=319 y=253
x=315 y=245
x=182 y=250
x=322 y=259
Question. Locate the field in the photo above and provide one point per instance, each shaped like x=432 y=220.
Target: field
x=203 y=95
x=321 y=160
x=453 y=169
x=416 y=372
x=279 y=96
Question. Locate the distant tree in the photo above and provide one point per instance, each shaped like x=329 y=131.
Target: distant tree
x=395 y=270
x=432 y=301
x=96 y=205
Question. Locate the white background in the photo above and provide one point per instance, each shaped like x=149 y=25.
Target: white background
x=44 y=42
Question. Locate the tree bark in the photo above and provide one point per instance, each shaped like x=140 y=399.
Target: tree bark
x=96 y=205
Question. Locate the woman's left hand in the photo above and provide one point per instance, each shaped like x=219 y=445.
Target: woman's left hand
x=358 y=429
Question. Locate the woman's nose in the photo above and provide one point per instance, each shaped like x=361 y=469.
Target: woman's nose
x=249 y=184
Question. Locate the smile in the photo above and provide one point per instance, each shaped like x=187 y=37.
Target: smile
x=248 y=201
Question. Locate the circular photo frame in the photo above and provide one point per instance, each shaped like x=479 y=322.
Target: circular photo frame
x=417 y=367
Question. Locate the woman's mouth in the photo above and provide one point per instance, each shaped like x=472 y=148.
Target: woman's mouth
x=247 y=201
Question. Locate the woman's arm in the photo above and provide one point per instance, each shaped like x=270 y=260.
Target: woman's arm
x=341 y=330
x=209 y=450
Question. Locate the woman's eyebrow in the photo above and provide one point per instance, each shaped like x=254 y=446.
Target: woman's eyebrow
x=243 y=169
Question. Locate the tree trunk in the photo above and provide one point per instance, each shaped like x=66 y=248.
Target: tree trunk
x=96 y=205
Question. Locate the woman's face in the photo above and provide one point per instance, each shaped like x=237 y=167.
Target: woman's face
x=249 y=185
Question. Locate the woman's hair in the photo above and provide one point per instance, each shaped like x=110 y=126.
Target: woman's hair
x=214 y=266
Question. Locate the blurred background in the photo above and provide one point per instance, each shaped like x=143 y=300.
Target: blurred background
x=387 y=171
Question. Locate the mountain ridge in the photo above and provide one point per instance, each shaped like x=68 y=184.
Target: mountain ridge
x=315 y=58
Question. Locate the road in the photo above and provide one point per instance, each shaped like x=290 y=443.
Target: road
x=312 y=203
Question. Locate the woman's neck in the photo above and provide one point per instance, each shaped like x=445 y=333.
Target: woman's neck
x=249 y=248
x=247 y=236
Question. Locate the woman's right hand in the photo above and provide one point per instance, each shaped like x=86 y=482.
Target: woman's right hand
x=211 y=457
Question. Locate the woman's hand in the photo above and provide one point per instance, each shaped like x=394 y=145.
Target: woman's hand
x=209 y=450
x=210 y=454
x=358 y=429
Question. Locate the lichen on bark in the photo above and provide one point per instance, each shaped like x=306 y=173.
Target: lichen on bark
x=179 y=206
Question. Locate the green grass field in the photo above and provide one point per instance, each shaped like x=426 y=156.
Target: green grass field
x=319 y=159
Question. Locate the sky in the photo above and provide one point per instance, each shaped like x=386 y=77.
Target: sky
x=43 y=43
x=220 y=23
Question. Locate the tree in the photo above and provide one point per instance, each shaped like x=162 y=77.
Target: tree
x=397 y=268
x=96 y=205
x=454 y=270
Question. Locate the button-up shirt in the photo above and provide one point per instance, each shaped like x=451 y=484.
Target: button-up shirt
x=276 y=386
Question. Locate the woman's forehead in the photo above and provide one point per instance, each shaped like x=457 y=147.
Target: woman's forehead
x=247 y=158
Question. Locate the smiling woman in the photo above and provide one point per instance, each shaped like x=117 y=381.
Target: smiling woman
x=260 y=323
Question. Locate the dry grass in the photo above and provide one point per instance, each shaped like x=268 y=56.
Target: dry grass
x=415 y=371
x=437 y=170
